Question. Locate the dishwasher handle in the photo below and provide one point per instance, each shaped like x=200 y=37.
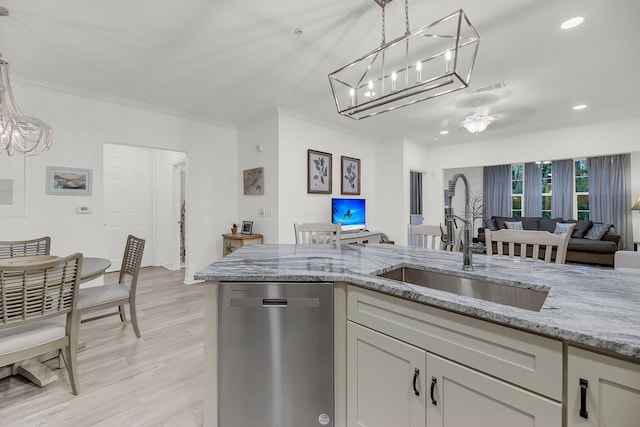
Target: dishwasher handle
x=275 y=302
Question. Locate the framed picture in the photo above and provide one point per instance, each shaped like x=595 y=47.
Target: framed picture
x=318 y=172
x=69 y=181
x=253 y=180
x=247 y=227
x=350 y=175
x=12 y=186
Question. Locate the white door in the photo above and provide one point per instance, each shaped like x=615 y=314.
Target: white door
x=461 y=397
x=127 y=200
x=385 y=380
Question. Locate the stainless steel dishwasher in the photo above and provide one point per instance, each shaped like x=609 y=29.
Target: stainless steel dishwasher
x=275 y=354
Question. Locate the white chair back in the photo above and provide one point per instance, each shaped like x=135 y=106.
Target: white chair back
x=528 y=239
x=317 y=233
x=626 y=259
x=430 y=236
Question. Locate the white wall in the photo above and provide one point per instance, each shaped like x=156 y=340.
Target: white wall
x=296 y=136
x=391 y=217
x=614 y=137
x=263 y=133
x=81 y=125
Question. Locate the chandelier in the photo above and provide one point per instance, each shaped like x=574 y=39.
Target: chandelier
x=478 y=122
x=26 y=135
x=434 y=60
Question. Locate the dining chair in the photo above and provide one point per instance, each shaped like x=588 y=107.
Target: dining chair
x=430 y=236
x=16 y=248
x=118 y=294
x=38 y=312
x=317 y=233
x=528 y=239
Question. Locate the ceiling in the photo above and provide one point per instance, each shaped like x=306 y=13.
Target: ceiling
x=235 y=61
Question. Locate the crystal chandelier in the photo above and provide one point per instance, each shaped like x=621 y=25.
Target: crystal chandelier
x=434 y=60
x=478 y=122
x=26 y=135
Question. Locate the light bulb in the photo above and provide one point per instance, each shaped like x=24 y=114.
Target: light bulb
x=394 y=77
x=352 y=94
x=419 y=71
x=370 y=93
x=448 y=56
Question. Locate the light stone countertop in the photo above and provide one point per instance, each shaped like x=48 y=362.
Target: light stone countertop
x=597 y=307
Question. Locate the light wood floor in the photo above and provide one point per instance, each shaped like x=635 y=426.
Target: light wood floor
x=156 y=380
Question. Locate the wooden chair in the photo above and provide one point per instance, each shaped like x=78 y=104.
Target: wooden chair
x=11 y=249
x=529 y=239
x=626 y=260
x=38 y=311
x=118 y=294
x=317 y=233
x=429 y=236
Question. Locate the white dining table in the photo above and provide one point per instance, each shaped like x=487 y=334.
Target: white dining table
x=34 y=370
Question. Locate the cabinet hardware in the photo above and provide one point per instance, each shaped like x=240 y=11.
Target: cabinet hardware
x=584 y=384
x=415 y=379
x=434 y=381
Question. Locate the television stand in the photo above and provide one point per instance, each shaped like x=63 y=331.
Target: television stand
x=360 y=236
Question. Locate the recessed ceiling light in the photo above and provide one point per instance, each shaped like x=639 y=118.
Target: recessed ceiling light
x=580 y=107
x=571 y=23
x=444 y=132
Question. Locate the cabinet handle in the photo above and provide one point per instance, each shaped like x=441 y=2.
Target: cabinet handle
x=415 y=379
x=434 y=381
x=584 y=384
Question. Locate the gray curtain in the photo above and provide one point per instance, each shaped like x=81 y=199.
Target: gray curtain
x=497 y=191
x=562 y=195
x=415 y=188
x=610 y=193
x=532 y=190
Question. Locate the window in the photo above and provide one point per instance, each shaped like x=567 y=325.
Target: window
x=517 y=186
x=582 y=189
x=546 y=189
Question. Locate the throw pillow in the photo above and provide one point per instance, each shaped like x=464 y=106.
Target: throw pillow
x=514 y=225
x=564 y=228
x=582 y=226
x=489 y=224
x=549 y=225
x=597 y=231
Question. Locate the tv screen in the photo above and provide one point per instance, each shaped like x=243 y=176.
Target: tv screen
x=349 y=212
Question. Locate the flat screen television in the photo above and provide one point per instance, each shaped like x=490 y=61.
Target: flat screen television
x=351 y=213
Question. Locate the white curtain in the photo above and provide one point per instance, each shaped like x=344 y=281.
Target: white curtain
x=562 y=195
x=610 y=193
x=532 y=190
x=497 y=191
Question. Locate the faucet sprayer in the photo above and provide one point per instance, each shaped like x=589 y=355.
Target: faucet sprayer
x=449 y=238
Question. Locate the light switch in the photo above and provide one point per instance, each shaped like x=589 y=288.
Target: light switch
x=83 y=209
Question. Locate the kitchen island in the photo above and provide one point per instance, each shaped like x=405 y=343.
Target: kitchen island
x=586 y=309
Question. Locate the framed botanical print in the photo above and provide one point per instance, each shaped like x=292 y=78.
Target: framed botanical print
x=350 y=175
x=318 y=172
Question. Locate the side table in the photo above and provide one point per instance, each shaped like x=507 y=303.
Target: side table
x=233 y=242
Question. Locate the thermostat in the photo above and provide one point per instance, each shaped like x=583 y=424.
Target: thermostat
x=83 y=209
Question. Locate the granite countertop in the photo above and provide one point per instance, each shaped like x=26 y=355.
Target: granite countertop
x=597 y=307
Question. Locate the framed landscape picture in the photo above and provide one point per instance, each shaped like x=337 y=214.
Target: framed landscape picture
x=318 y=172
x=350 y=175
x=68 y=181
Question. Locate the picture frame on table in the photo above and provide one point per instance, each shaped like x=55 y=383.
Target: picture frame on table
x=319 y=172
x=63 y=181
x=350 y=181
x=247 y=227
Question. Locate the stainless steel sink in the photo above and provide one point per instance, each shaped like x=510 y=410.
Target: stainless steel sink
x=515 y=296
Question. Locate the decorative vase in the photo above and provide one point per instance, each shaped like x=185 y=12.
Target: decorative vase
x=234 y=231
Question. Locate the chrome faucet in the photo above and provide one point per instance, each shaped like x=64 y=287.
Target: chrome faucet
x=448 y=239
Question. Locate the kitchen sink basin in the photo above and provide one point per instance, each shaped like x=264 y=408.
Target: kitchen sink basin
x=515 y=296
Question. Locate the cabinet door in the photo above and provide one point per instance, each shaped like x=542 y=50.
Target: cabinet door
x=381 y=373
x=611 y=389
x=458 y=397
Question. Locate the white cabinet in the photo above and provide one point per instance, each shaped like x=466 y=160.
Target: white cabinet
x=478 y=373
x=602 y=391
x=459 y=396
x=385 y=380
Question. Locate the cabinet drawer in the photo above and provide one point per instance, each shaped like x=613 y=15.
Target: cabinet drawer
x=528 y=360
